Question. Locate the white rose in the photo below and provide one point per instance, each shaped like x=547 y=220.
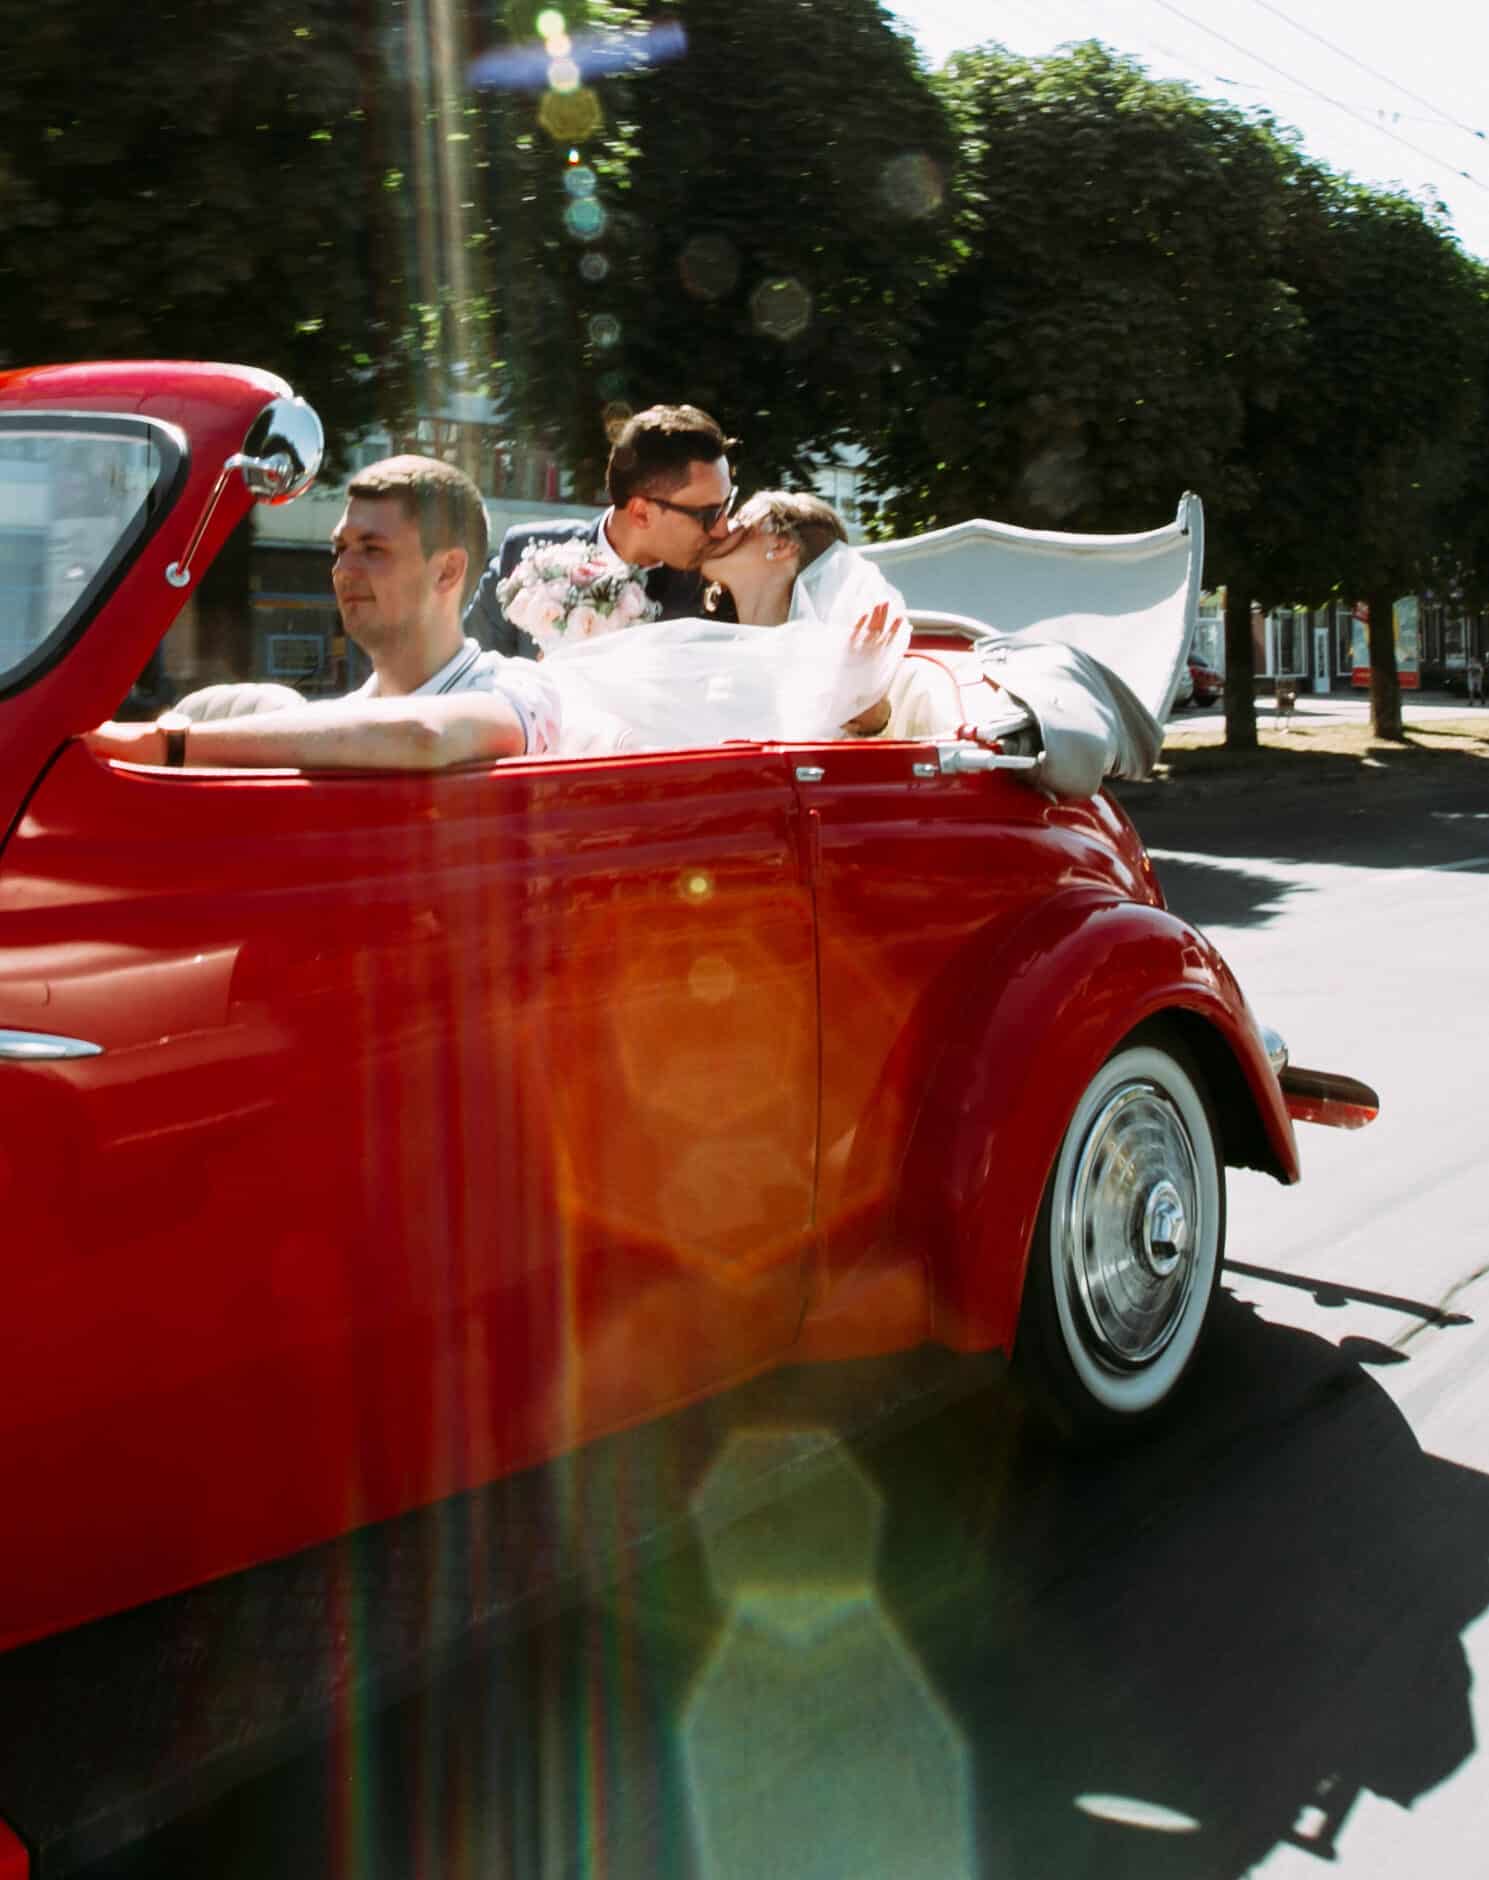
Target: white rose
x=586 y=622
x=520 y=606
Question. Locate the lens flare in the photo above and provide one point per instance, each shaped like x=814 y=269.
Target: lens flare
x=912 y=186
x=604 y=331
x=569 y=117
x=709 y=267
x=790 y=1525
x=585 y=219
x=563 y=75
x=781 y=308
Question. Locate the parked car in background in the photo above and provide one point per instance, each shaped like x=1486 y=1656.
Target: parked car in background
x=1206 y=684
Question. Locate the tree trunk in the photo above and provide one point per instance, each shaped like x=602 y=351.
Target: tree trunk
x=1240 y=668
x=1385 y=685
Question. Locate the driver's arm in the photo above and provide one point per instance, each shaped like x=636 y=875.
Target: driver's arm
x=416 y=733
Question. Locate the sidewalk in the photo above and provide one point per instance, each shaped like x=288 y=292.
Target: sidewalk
x=1340 y=707
x=1326 y=756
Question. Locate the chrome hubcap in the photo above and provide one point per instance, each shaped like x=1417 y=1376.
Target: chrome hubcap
x=1164 y=1229
x=1131 y=1226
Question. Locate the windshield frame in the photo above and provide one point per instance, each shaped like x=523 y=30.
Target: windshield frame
x=174 y=462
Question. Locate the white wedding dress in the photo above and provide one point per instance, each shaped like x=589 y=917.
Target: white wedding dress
x=679 y=684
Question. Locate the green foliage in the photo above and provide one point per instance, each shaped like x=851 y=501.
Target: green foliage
x=184 y=180
x=1397 y=360
x=1114 y=302
x=771 y=211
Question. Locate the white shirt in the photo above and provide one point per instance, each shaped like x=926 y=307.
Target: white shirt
x=521 y=682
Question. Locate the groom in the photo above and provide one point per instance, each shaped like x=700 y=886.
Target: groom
x=670 y=495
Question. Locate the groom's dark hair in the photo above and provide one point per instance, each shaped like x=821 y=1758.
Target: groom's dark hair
x=653 y=451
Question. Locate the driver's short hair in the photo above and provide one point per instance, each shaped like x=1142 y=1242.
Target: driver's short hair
x=653 y=452
x=441 y=499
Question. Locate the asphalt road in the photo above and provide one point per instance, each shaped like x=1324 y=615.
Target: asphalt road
x=1248 y=1647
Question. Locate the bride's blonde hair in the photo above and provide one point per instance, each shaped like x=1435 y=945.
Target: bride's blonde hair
x=808 y=523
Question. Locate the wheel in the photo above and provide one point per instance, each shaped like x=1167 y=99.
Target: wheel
x=1127 y=1248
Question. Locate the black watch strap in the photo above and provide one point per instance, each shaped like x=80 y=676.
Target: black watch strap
x=173 y=728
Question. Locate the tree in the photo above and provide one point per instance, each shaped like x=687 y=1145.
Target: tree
x=752 y=232
x=1463 y=568
x=186 y=180
x=1402 y=334
x=1110 y=301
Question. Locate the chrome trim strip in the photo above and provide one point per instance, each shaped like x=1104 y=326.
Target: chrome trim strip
x=30 y=1047
x=957 y=759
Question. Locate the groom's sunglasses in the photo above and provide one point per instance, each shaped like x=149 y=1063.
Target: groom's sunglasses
x=706 y=515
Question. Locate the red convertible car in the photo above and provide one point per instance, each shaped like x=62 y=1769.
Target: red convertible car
x=364 y=1137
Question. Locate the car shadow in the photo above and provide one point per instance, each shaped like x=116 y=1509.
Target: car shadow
x=1176 y=1660
x=955 y=1651
x=1219 y=894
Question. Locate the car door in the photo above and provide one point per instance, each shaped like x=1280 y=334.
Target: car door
x=918 y=875
x=434 y=1124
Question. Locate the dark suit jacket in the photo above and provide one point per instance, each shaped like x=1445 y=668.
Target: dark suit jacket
x=679 y=592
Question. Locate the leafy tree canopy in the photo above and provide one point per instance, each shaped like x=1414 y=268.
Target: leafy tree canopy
x=765 y=214
x=185 y=180
x=1114 y=302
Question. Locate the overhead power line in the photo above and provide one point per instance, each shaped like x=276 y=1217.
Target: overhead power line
x=1446 y=117
x=1338 y=103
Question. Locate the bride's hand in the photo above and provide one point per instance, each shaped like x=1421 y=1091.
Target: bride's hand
x=874 y=630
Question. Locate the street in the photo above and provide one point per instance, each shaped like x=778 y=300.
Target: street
x=1245 y=1648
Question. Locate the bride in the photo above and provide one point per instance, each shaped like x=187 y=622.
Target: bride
x=818 y=636
x=764 y=564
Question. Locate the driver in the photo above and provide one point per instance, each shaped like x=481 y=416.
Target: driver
x=408 y=548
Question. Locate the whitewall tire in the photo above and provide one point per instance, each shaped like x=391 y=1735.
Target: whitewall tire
x=1126 y=1254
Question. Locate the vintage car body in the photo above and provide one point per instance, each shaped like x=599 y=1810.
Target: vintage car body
x=365 y=1136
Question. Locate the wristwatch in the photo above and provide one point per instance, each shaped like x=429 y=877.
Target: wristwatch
x=173 y=727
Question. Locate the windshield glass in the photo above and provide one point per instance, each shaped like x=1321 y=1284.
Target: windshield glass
x=74 y=498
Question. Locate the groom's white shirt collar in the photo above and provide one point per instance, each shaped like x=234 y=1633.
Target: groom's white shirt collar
x=453 y=676
x=607 y=547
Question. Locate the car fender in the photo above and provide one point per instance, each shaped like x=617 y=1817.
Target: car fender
x=1037 y=1015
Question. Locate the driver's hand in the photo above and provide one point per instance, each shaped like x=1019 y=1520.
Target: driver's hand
x=141 y=743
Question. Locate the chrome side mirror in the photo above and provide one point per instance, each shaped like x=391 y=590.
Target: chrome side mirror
x=278 y=462
x=282 y=452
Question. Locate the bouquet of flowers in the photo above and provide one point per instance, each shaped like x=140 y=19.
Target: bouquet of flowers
x=564 y=590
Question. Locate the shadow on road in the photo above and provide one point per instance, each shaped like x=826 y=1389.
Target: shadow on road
x=956 y=1653
x=1409 y=807
x=1173 y=1662
x=1219 y=894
